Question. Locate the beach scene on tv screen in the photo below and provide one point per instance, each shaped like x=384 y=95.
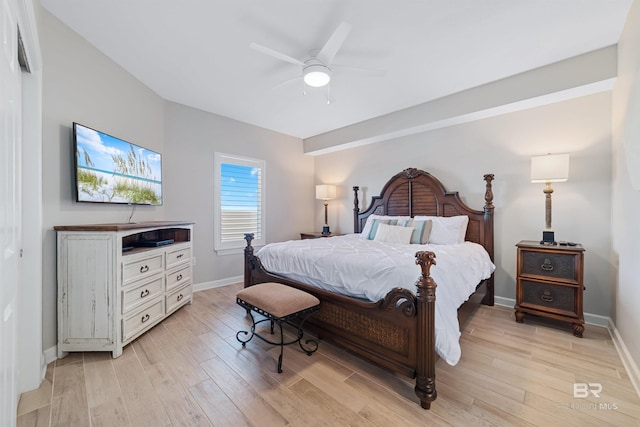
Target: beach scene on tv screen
x=111 y=170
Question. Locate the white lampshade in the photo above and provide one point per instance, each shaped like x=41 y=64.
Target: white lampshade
x=325 y=192
x=550 y=168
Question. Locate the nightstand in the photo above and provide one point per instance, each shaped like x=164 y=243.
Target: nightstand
x=315 y=235
x=549 y=283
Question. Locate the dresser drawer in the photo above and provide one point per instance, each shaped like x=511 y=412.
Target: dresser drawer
x=550 y=297
x=138 y=293
x=178 y=298
x=178 y=256
x=142 y=267
x=142 y=319
x=178 y=277
x=551 y=265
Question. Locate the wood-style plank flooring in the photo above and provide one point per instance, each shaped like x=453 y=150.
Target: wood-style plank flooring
x=191 y=371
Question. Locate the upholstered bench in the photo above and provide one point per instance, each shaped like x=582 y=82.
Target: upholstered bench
x=278 y=304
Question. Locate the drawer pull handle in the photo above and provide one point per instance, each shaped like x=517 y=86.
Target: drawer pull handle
x=144 y=269
x=546 y=265
x=145 y=318
x=179 y=256
x=180 y=297
x=179 y=277
x=546 y=296
x=144 y=293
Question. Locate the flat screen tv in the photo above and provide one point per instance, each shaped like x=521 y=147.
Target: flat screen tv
x=110 y=170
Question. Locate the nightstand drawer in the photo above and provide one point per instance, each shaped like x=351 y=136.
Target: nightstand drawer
x=551 y=265
x=560 y=298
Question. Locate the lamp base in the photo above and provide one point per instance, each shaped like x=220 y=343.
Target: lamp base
x=325 y=230
x=548 y=238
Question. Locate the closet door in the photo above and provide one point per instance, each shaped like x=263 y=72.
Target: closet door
x=10 y=204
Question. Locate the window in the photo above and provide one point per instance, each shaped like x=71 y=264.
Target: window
x=239 y=202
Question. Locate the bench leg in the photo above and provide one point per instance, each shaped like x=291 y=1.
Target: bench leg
x=303 y=315
x=253 y=331
x=281 y=345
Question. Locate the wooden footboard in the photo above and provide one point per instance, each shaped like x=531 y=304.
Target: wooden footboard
x=396 y=332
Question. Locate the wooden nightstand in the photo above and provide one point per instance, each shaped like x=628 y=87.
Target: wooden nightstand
x=550 y=283
x=315 y=235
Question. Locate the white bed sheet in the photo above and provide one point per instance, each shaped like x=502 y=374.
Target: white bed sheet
x=355 y=266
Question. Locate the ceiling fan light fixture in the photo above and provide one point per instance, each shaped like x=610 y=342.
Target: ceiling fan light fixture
x=317 y=75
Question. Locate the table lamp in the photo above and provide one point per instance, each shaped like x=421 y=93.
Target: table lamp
x=325 y=192
x=546 y=169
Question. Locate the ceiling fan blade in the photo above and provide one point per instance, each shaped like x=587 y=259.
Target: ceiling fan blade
x=286 y=82
x=334 y=43
x=275 y=54
x=370 y=71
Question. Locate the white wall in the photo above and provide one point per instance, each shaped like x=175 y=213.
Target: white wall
x=503 y=145
x=191 y=138
x=81 y=84
x=625 y=196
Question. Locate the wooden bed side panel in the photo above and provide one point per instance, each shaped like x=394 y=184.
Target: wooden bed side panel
x=382 y=336
x=387 y=337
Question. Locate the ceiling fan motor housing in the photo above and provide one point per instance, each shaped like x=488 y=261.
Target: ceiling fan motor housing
x=316 y=74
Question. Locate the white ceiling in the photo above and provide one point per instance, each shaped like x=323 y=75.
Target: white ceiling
x=196 y=52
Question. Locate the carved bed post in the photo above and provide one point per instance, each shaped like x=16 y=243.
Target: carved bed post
x=426 y=358
x=488 y=224
x=356 y=209
x=248 y=254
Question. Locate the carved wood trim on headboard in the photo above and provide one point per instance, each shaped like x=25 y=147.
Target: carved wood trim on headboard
x=416 y=192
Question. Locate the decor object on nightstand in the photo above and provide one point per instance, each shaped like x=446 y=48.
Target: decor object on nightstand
x=550 y=282
x=547 y=169
x=325 y=192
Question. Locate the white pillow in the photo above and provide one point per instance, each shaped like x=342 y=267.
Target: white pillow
x=447 y=230
x=393 y=234
x=367 y=226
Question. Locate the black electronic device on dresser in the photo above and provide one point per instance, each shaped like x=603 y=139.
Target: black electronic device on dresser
x=550 y=282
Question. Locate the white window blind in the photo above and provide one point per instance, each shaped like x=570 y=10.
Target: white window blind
x=239 y=197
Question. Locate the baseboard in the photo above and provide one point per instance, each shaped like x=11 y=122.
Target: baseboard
x=627 y=360
x=504 y=302
x=50 y=355
x=590 y=319
x=43 y=367
x=217 y=283
x=606 y=322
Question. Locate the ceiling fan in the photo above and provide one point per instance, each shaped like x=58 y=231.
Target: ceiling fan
x=317 y=69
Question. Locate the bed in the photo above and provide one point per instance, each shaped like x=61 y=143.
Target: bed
x=398 y=330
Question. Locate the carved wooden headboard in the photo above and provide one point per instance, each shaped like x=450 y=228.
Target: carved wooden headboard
x=415 y=192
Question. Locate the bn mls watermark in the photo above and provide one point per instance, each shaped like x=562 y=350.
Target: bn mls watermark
x=585 y=390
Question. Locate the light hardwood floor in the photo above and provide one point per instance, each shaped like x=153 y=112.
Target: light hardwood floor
x=191 y=371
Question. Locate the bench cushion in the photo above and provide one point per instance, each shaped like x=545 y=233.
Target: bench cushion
x=277 y=299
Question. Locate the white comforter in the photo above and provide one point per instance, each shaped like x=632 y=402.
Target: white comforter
x=353 y=265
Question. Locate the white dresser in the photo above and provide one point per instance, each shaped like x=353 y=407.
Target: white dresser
x=116 y=281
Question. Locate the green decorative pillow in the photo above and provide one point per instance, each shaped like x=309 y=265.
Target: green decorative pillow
x=376 y=222
x=421 y=230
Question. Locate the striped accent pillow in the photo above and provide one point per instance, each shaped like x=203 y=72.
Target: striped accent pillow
x=376 y=222
x=421 y=230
